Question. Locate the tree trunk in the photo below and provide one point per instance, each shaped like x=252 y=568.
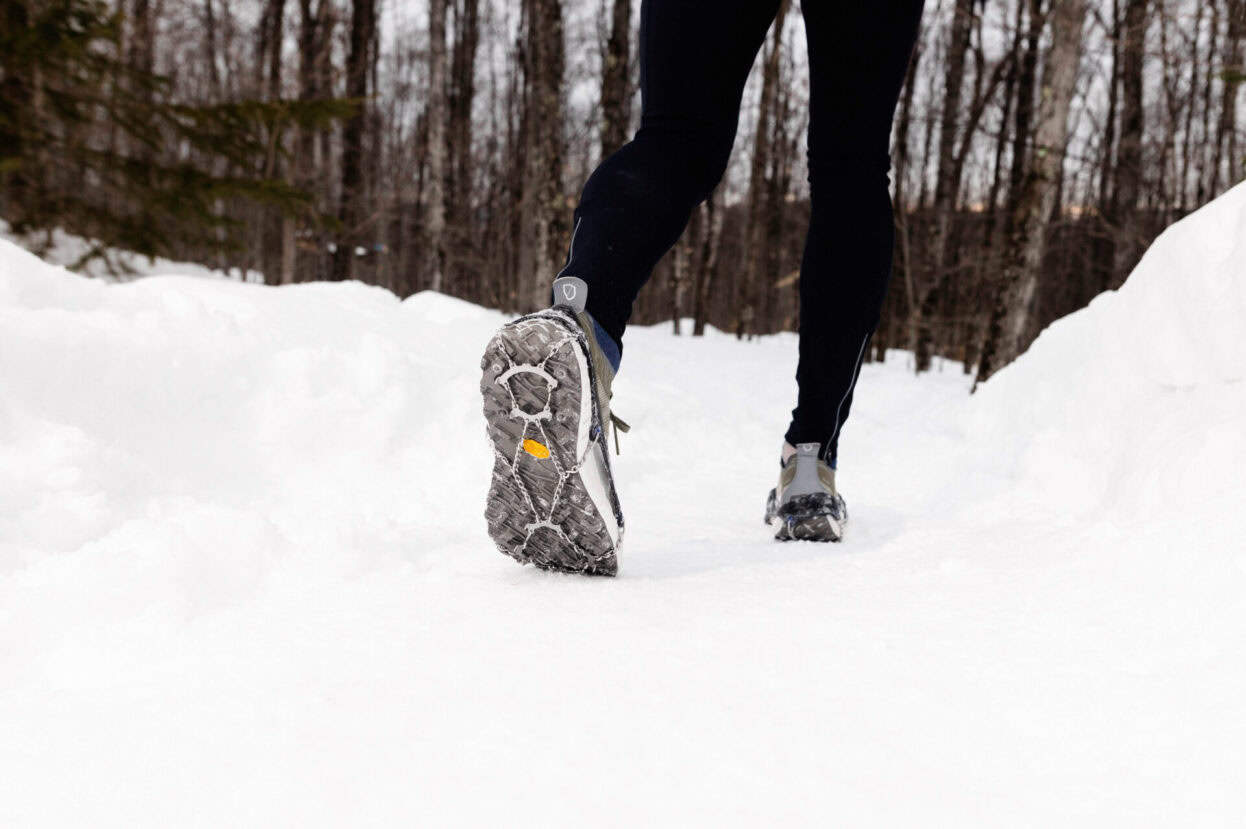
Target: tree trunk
x=1128 y=173
x=274 y=257
x=142 y=61
x=268 y=49
x=1103 y=246
x=542 y=204
x=209 y=42
x=679 y=274
x=947 y=183
x=903 y=266
x=1233 y=72
x=461 y=233
x=1010 y=322
x=16 y=94
x=314 y=39
x=988 y=260
x=1169 y=70
x=1025 y=102
x=785 y=147
x=616 y=89
x=758 y=240
x=350 y=210
x=707 y=267
x=903 y=121
x=435 y=222
x=1188 y=140
x=1204 y=187
x=142 y=38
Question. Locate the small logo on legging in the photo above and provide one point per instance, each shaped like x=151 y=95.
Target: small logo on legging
x=568 y=291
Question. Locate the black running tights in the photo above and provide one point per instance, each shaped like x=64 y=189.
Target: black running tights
x=695 y=56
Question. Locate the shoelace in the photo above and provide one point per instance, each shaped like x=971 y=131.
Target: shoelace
x=620 y=425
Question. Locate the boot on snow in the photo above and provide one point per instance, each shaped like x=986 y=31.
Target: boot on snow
x=546 y=389
x=805 y=505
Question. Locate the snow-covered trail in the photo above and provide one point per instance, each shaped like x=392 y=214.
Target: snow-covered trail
x=244 y=577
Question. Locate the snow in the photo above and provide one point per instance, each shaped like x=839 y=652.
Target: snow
x=61 y=248
x=244 y=577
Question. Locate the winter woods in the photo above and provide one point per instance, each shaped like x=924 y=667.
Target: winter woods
x=1039 y=146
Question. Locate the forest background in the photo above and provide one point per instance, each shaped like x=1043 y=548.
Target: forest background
x=1039 y=146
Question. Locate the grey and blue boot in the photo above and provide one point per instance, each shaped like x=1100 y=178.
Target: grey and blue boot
x=546 y=388
x=805 y=504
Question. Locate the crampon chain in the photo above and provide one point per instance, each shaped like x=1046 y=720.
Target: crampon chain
x=537 y=421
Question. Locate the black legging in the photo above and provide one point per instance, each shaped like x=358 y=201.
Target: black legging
x=695 y=56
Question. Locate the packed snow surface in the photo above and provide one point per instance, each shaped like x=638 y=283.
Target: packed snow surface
x=245 y=580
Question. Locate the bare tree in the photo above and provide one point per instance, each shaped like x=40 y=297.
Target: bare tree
x=759 y=239
x=1128 y=171
x=461 y=134
x=268 y=48
x=946 y=185
x=988 y=256
x=707 y=261
x=1233 y=73
x=358 y=70
x=542 y=203
x=315 y=38
x=903 y=263
x=616 y=92
x=435 y=115
x=142 y=43
x=947 y=180
x=1034 y=206
x=1183 y=188
x=210 y=50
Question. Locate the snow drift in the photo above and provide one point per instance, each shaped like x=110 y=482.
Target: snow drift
x=92 y=258
x=244 y=577
x=1137 y=403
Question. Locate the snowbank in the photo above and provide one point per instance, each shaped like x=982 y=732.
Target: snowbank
x=244 y=577
x=1137 y=403
x=60 y=248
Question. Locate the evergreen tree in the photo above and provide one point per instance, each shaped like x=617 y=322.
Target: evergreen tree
x=91 y=142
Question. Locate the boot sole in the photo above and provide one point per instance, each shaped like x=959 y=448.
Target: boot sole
x=552 y=501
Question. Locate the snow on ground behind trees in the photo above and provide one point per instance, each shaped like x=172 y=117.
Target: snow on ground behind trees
x=244 y=576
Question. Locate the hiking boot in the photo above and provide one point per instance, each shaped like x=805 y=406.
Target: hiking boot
x=805 y=504
x=546 y=389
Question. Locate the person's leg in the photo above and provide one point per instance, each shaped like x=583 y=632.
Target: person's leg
x=695 y=57
x=858 y=55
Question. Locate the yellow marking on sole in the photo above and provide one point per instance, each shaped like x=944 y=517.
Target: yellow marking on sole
x=536 y=450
